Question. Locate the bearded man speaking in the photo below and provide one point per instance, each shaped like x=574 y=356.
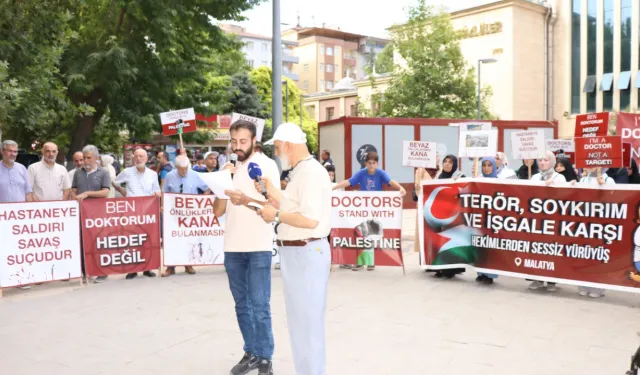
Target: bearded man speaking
x=248 y=241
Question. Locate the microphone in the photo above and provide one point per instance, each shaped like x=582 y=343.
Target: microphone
x=255 y=173
x=233 y=158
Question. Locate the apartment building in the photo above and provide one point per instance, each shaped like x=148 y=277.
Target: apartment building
x=258 y=52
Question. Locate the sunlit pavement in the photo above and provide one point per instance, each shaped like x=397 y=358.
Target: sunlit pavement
x=378 y=322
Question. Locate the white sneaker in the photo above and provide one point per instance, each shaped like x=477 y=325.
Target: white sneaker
x=536 y=285
x=551 y=287
x=596 y=295
x=25 y=287
x=583 y=291
x=277 y=266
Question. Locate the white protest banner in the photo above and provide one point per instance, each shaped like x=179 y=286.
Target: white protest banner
x=366 y=228
x=193 y=235
x=186 y=117
x=419 y=154
x=40 y=242
x=474 y=126
x=478 y=143
x=528 y=144
x=258 y=122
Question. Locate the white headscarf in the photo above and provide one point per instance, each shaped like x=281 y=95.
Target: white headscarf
x=546 y=174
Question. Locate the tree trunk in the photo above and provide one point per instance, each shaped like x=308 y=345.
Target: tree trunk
x=85 y=125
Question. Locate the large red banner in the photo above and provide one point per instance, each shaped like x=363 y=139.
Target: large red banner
x=577 y=235
x=628 y=127
x=121 y=235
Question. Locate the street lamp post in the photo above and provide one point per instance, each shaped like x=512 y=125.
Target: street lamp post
x=276 y=68
x=480 y=62
x=286 y=100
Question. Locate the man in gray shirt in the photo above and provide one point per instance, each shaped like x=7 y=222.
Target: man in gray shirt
x=90 y=182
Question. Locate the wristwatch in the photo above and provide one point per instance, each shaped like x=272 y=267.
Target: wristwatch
x=277 y=218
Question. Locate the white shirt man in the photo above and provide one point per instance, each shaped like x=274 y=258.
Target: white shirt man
x=78 y=161
x=248 y=243
x=50 y=181
x=141 y=182
x=304 y=218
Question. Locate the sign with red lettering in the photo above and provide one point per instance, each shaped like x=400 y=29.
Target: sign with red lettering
x=121 y=235
x=367 y=228
x=528 y=144
x=193 y=235
x=182 y=118
x=419 y=154
x=40 y=242
x=562 y=148
x=628 y=127
x=592 y=125
x=578 y=235
x=605 y=152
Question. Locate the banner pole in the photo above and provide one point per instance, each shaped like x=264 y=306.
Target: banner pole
x=475 y=166
x=529 y=166
x=180 y=135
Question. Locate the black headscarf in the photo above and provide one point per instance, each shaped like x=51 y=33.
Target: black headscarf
x=523 y=171
x=635 y=175
x=569 y=173
x=454 y=160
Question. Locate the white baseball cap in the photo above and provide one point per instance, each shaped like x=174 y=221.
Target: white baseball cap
x=288 y=132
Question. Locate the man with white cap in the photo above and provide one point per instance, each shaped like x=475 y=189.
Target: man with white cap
x=303 y=214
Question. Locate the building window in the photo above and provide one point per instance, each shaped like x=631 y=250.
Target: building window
x=575 y=56
x=329 y=113
x=321 y=67
x=249 y=46
x=337 y=68
x=329 y=51
x=336 y=50
x=305 y=85
x=592 y=43
x=329 y=85
x=607 y=41
x=306 y=67
x=321 y=85
x=329 y=68
x=353 y=111
x=625 y=56
x=265 y=47
x=321 y=48
x=250 y=62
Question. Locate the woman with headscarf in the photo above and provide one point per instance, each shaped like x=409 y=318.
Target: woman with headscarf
x=547 y=172
x=523 y=171
x=634 y=175
x=449 y=171
x=564 y=167
x=107 y=163
x=594 y=177
x=489 y=170
x=502 y=163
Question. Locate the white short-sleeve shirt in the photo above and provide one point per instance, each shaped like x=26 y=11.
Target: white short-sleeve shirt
x=308 y=193
x=48 y=183
x=245 y=231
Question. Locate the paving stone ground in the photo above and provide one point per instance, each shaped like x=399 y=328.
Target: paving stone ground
x=380 y=322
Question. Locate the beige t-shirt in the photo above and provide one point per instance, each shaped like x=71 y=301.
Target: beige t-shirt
x=244 y=230
x=47 y=182
x=308 y=193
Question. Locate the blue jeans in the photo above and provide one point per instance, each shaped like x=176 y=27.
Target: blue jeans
x=250 y=283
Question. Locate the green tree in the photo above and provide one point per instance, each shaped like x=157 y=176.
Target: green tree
x=384 y=60
x=244 y=97
x=436 y=81
x=261 y=77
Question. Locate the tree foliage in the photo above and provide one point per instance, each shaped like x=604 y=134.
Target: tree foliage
x=261 y=77
x=436 y=81
x=384 y=60
x=78 y=65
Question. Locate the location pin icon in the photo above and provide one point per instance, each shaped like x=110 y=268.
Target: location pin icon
x=518 y=262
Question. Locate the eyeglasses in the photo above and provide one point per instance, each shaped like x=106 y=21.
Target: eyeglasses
x=181 y=188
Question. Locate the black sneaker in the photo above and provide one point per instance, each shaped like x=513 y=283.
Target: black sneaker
x=481 y=278
x=265 y=367
x=131 y=276
x=149 y=274
x=247 y=363
x=357 y=268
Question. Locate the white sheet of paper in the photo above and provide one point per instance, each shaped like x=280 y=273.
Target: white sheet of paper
x=218 y=182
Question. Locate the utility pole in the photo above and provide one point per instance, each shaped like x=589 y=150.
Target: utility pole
x=276 y=69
